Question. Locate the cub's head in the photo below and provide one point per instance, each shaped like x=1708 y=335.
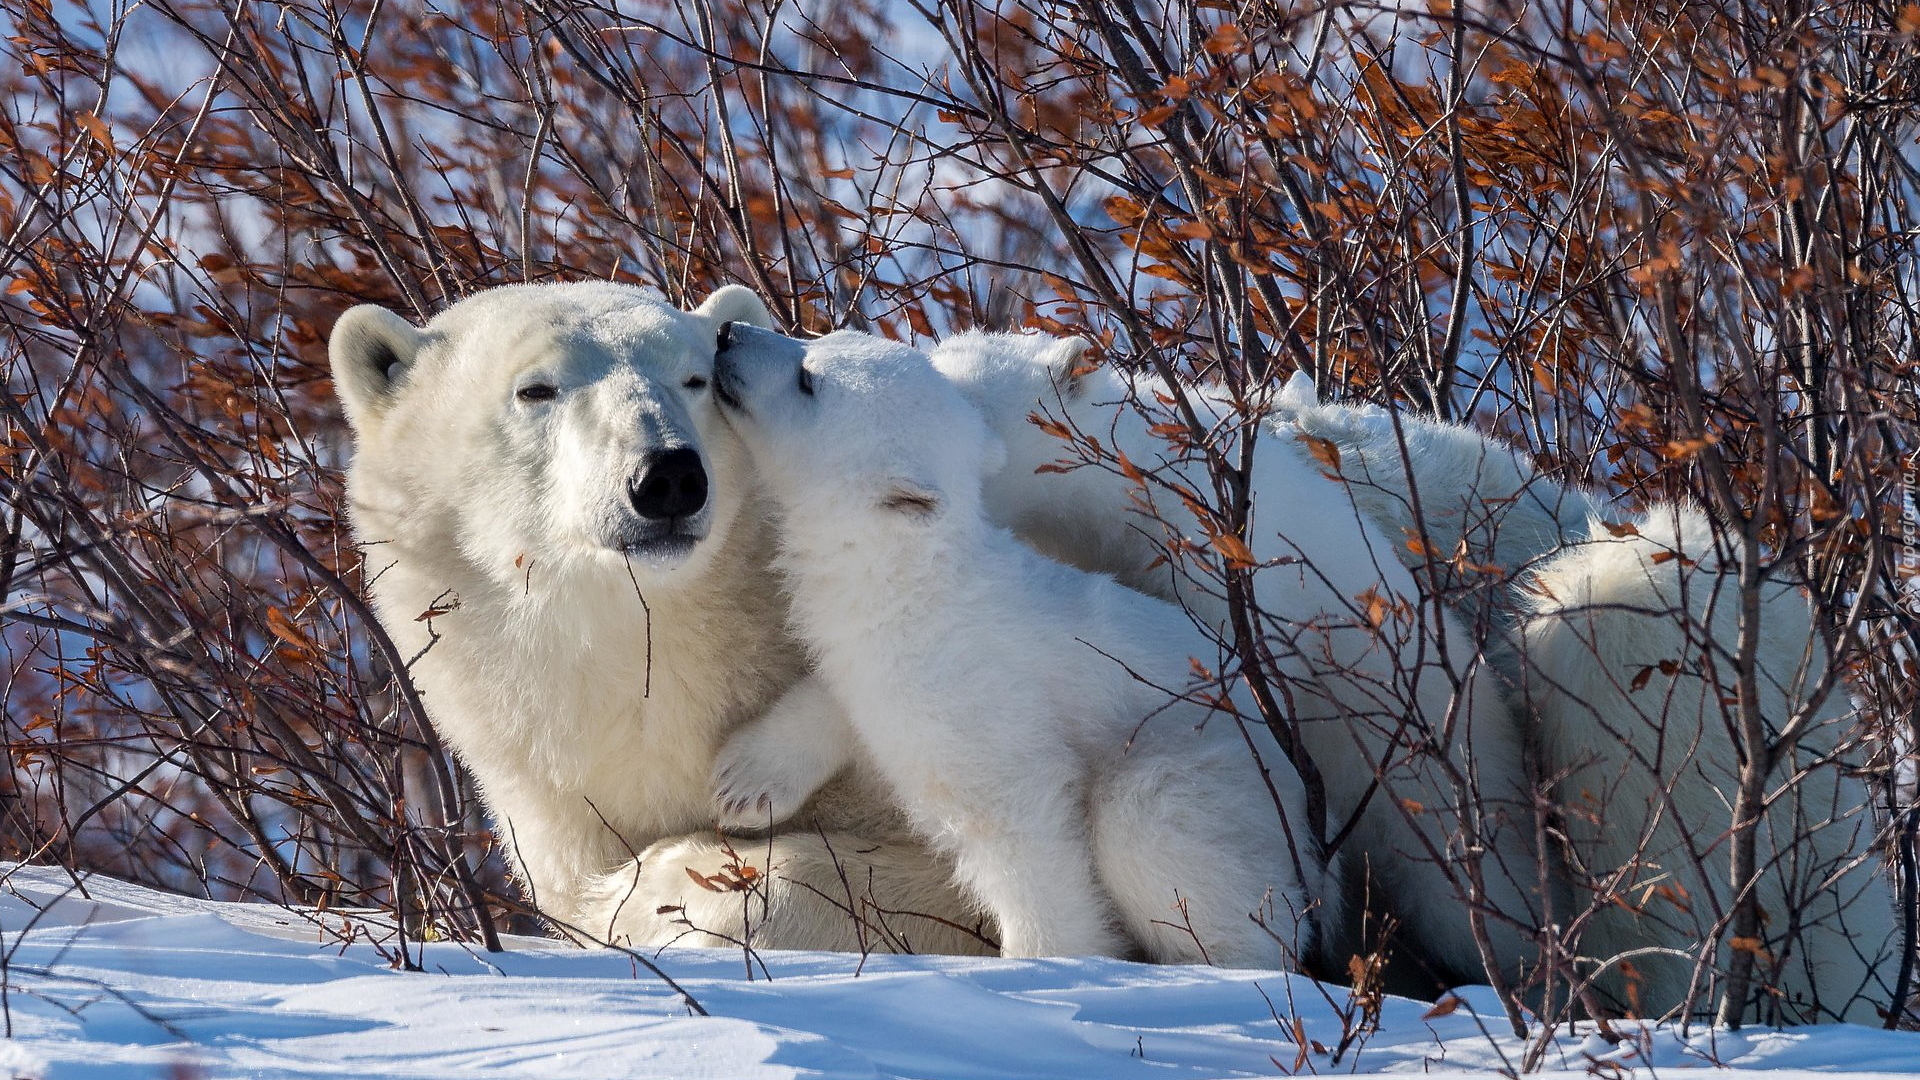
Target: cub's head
x=540 y=432
x=853 y=428
x=1011 y=377
x=1018 y=380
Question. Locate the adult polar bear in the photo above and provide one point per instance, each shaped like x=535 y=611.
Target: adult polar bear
x=569 y=620
x=560 y=528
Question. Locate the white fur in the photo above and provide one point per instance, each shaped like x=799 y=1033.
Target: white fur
x=1649 y=775
x=771 y=767
x=1457 y=491
x=585 y=663
x=1363 y=695
x=1651 y=772
x=1021 y=710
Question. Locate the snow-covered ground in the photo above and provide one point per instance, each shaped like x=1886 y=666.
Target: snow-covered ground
x=132 y=983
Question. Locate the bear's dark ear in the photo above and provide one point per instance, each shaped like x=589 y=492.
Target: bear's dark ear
x=371 y=349
x=735 y=303
x=1067 y=360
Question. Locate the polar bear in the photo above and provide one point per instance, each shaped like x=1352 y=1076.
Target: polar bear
x=1629 y=655
x=1036 y=722
x=1623 y=632
x=1341 y=614
x=1472 y=512
x=565 y=536
x=1391 y=697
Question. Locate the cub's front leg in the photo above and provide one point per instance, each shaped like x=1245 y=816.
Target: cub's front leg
x=1014 y=820
x=1034 y=873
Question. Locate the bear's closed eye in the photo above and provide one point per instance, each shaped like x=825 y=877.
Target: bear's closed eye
x=910 y=501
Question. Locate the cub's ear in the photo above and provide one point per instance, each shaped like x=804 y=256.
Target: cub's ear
x=371 y=350
x=1067 y=360
x=735 y=303
x=1300 y=394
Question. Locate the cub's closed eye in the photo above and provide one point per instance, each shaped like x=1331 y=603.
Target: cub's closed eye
x=695 y=382
x=912 y=501
x=537 y=392
x=806 y=382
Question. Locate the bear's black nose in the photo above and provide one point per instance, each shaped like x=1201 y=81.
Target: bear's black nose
x=724 y=340
x=670 y=484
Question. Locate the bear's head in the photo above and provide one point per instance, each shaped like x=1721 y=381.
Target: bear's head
x=854 y=429
x=539 y=433
x=1014 y=377
x=1029 y=387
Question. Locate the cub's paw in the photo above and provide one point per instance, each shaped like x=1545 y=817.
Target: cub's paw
x=768 y=769
x=756 y=787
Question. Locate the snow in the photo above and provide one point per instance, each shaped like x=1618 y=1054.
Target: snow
x=130 y=983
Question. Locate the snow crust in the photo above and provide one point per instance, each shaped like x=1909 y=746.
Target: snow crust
x=128 y=983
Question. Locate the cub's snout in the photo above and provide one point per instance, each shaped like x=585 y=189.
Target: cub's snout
x=670 y=484
x=752 y=362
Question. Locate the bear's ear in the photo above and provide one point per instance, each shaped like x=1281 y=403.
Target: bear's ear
x=1067 y=361
x=735 y=303
x=371 y=350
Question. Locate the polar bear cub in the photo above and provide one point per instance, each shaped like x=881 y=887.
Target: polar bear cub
x=1029 y=717
x=1393 y=701
x=1625 y=634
